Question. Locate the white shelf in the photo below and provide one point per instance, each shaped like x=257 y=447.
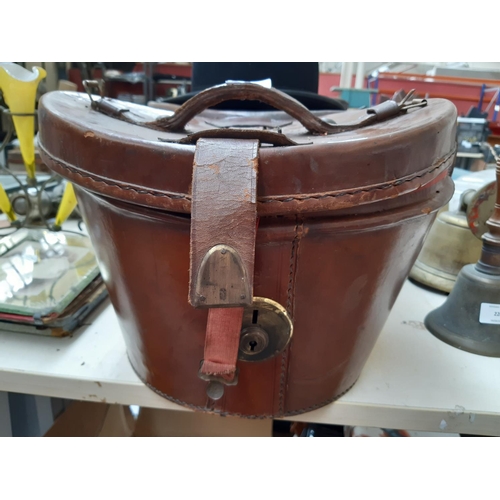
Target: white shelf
x=411 y=381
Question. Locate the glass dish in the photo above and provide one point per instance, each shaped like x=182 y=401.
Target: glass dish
x=41 y=272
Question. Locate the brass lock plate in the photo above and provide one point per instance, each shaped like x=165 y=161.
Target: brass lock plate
x=266 y=330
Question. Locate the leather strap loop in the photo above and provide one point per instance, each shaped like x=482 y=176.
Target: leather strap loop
x=223 y=231
x=222 y=340
x=223 y=222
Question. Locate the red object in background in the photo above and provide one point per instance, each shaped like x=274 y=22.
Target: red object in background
x=75 y=76
x=495 y=128
x=329 y=80
x=463 y=92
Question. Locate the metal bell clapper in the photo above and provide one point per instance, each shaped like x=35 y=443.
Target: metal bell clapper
x=470 y=317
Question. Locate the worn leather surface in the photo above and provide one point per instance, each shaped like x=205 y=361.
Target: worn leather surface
x=337 y=278
x=367 y=167
x=224 y=212
x=341 y=222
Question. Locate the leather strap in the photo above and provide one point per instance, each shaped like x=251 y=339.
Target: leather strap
x=223 y=222
x=222 y=342
x=223 y=231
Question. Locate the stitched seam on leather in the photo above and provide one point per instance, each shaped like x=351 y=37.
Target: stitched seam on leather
x=289 y=302
x=232 y=414
x=281 y=395
x=284 y=356
x=241 y=415
x=94 y=178
x=359 y=191
x=289 y=308
x=298 y=233
x=178 y=196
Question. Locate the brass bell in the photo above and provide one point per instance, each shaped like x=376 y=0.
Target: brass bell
x=454 y=240
x=470 y=317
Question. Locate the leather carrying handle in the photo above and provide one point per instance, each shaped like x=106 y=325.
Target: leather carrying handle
x=279 y=100
x=243 y=92
x=251 y=91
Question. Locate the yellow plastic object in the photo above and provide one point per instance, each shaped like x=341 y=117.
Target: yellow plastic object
x=68 y=204
x=19 y=87
x=5 y=205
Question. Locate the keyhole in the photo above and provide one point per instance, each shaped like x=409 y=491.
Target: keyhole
x=253 y=340
x=255 y=316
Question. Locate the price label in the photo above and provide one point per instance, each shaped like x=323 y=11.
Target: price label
x=489 y=314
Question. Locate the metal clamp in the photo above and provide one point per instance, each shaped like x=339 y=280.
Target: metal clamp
x=89 y=85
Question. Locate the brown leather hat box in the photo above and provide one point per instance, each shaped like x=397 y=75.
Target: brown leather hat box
x=252 y=257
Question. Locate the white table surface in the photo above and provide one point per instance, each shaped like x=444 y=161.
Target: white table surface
x=411 y=381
